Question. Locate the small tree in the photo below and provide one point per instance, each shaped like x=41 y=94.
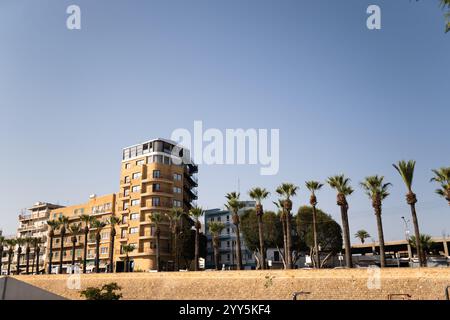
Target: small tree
x=105 y=292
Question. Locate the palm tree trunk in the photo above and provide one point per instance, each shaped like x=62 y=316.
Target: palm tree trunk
x=216 y=255
x=97 y=253
x=27 y=257
x=422 y=261
x=111 y=250
x=316 y=245
x=85 y=251
x=288 y=241
x=197 y=248
x=61 y=255
x=261 y=242
x=380 y=237
x=33 y=262
x=9 y=262
x=1 y=258
x=238 y=247
x=127 y=263
x=283 y=224
x=346 y=234
x=37 y=251
x=19 y=253
x=74 y=241
x=158 y=252
x=175 y=248
x=50 y=256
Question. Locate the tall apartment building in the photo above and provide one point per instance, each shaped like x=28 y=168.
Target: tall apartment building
x=34 y=225
x=153 y=179
x=100 y=207
x=227 y=239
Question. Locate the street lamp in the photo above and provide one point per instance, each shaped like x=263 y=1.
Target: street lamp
x=407 y=236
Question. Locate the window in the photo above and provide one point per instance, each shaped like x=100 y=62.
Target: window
x=124 y=219
x=156 y=174
x=134 y=216
x=177 y=203
x=177 y=177
x=228 y=230
x=177 y=190
x=228 y=217
x=136 y=189
x=104 y=250
x=155 y=202
x=133 y=230
x=219 y=218
x=228 y=257
x=127 y=165
x=135 y=202
x=156 y=187
x=228 y=244
x=166 y=160
x=276 y=256
x=126 y=191
x=136 y=175
x=104 y=235
x=123 y=234
x=78 y=211
x=126 y=205
x=140 y=162
x=127 y=179
x=158 y=159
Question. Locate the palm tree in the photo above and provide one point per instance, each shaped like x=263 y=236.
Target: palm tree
x=259 y=194
x=314 y=186
x=86 y=219
x=425 y=243
x=406 y=171
x=341 y=184
x=98 y=226
x=174 y=216
x=377 y=191
x=287 y=190
x=362 y=235
x=127 y=249
x=11 y=243
x=442 y=176
x=234 y=205
x=28 y=242
x=112 y=221
x=20 y=242
x=74 y=229
x=157 y=218
x=63 y=222
x=36 y=242
x=2 y=243
x=216 y=228
x=196 y=213
x=53 y=224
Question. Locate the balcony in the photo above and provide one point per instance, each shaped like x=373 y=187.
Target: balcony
x=160 y=178
x=192 y=179
x=162 y=205
x=164 y=192
x=125 y=183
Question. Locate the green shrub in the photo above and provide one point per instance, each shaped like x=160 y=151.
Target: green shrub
x=106 y=292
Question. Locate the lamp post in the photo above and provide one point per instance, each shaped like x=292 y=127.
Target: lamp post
x=407 y=237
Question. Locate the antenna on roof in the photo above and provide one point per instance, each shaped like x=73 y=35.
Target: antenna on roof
x=239 y=186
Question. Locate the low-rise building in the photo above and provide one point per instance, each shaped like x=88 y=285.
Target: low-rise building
x=227 y=239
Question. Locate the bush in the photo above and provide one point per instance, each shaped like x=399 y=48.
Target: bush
x=106 y=292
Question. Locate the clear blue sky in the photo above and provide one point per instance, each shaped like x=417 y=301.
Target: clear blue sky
x=345 y=99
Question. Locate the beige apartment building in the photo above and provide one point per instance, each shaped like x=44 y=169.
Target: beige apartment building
x=152 y=179
x=100 y=207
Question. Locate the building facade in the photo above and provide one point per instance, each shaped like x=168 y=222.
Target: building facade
x=101 y=208
x=33 y=224
x=155 y=177
x=227 y=239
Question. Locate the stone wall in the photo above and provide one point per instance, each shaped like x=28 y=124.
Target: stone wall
x=419 y=283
